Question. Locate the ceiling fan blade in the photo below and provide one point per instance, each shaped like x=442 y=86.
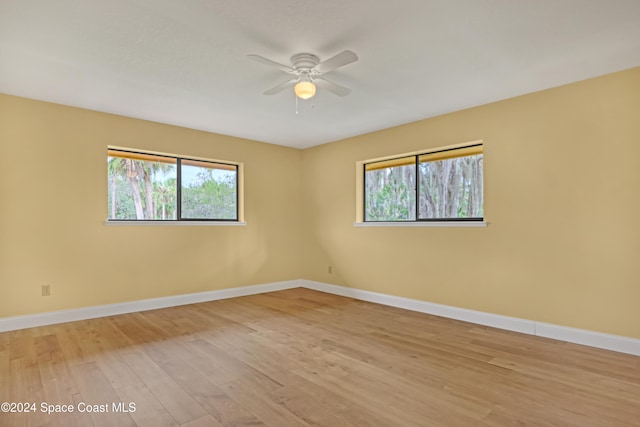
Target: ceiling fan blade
x=340 y=60
x=281 y=87
x=274 y=64
x=332 y=87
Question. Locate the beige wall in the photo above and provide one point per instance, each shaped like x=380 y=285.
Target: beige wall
x=562 y=194
x=562 y=198
x=53 y=183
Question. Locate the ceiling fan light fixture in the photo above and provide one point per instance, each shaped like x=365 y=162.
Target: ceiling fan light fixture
x=305 y=89
x=307 y=68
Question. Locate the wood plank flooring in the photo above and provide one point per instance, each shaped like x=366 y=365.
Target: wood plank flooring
x=306 y=358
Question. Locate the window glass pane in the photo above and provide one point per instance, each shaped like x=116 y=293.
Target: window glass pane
x=390 y=190
x=141 y=189
x=450 y=188
x=209 y=190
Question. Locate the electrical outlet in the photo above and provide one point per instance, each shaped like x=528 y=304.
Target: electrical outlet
x=330 y=270
x=46 y=290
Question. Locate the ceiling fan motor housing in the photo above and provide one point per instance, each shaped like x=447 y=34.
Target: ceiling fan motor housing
x=304 y=62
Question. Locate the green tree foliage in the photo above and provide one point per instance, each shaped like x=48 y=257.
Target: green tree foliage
x=390 y=194
x=128 y=171
x=211 y=195
x=140 y=189
x=135 y=186
x=164 y=198
x=121 y=203
x=450 y=188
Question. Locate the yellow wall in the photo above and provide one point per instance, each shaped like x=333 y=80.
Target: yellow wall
x=562 y=198
x=562 y=194
x=53 y=183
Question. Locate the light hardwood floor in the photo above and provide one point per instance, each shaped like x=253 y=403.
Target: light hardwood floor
x=306 y=358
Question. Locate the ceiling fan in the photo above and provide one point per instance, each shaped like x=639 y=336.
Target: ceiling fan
x=308 y=72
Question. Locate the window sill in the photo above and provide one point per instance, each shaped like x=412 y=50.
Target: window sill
x=422 y=224
x=177 y=223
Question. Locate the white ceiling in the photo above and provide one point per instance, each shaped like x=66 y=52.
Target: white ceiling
x=184 y=62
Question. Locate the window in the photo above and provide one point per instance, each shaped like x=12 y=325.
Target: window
x=153 y=187
x=443 y=185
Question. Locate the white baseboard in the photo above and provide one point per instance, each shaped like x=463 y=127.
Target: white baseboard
x=42 y=319
x=562 y=333
x=531 y=327
x=590 y=338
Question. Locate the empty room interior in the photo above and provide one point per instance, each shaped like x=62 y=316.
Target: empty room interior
x=303 y=213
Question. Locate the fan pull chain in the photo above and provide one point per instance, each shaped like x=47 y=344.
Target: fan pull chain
x=296 y=104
